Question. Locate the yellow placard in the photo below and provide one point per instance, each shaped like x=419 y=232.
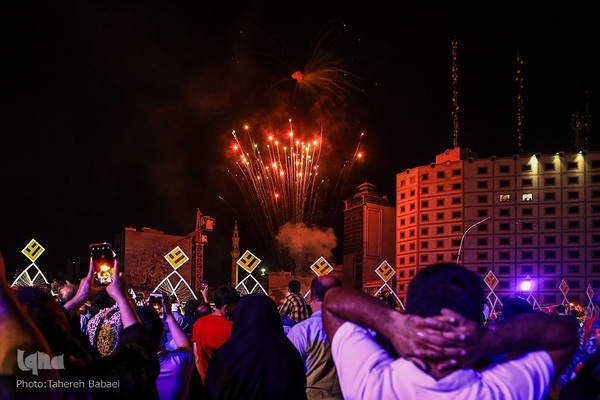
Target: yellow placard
x=248 y=261
x=491 y=280
x=385 y=271
x=33 y=250
x=321 y=267
x=176 y=257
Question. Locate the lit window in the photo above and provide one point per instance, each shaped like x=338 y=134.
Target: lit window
x=527 y=197
x=504 y=197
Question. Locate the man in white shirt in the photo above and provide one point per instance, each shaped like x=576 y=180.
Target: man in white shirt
x=442 y=343
x=310 y=338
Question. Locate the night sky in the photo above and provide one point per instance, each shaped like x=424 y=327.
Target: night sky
x=118 y=114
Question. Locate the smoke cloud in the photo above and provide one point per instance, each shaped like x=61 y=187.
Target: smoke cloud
x=305 y=245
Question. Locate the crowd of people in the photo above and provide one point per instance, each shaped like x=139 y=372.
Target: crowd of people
x=95 y=341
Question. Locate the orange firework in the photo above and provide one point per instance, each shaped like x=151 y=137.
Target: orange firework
x=281 y=180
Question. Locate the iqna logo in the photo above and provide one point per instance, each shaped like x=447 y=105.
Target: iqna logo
x=38 y=361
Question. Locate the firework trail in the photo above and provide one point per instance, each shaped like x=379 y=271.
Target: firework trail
x=282 y=181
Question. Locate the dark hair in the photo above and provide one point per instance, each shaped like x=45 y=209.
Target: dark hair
x=225 y=295
x=294 y=286
x=319 y=286
x=152 y=322
x=202 y=309
x=446 y=285
x=190 y=306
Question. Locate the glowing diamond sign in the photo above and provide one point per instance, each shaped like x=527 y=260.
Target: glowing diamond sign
x=491 y=280
x=248 y=261
x=176 y=257
x=385 y=271
x=33 y=250
x=321 y=267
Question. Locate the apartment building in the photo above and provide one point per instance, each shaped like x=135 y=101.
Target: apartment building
x=510 y=219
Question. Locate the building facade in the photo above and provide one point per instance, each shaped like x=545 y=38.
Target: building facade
x=369 y=225
x=523 y=217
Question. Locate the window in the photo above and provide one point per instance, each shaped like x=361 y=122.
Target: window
x=527 y=255
x=527 y=182
x=424 y=190
x=455 y=186
x=526 y=168
x=440 y=202
x=424 y=217
x=572 y=165
x=424 y=258
x=482 y=256
x=412 y=193
x=550 y=181
x=573 y=239
x=403 y=209
x=412 y=220
x=482 y=199
x=549 y=299
x=573 y=195
x=573 y=180
x=441 y=174
x=550 y=269
x=481 y=270
x=440 y=216
x=439 y=243
x=527 y=197
x=504 y=197
x=549 y=167
x=425 y=204
x=527 y=226
x=550 y=196
x=482 y=241
x=440 y=229
x=439 y=257
x=504 y=255
x=456 y=228
x=527 y=240
x=573 y=210
x=482 y=185
x=550 y=240
x=595 y=238
x=504 y=183
x=440 y=188
x=504 y=169
x=411 y=246
x=550 y=254
x=424 y=231
x=456 y=200
x=425 y=177
x=456 y=214
x=455 y=172
x=573 y=269
x=481 y=170
x=456 y=242
x=412 y=206
x=595 y=194
x=573 y=284
x=424 y=245
x=527 y=270
x=504 y=241
x=550 y=225
x=504 y=227
x=482 y=213
x=504 y=212
x=527 y=211
x=504 y=270
x=573 y=254
x=402 y=195
x=550 y=210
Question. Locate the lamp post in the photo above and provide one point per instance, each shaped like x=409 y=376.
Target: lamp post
x=465 y=234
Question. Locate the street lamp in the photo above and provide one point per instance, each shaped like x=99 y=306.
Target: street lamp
x=465 y=234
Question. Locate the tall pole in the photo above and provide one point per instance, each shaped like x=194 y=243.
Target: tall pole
x=520 y=103
x=198 y=267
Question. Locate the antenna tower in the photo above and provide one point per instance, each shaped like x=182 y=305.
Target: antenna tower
x=455 y=91
x=520 y=103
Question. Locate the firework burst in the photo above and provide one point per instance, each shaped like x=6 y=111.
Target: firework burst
x=282 y=181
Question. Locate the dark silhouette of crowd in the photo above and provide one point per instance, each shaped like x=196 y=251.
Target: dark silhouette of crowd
x=92 y=341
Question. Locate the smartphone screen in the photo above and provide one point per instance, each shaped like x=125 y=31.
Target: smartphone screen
x=103 y=257
x=156 y=301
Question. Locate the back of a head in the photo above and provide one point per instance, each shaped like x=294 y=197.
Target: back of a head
x=66 y=292
x=294 y=286
x=256 y=312
x=151 y=320
x=515 y=306
x=202 y=309
x=321 y=284
x=225 y=295
x=446 y=285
